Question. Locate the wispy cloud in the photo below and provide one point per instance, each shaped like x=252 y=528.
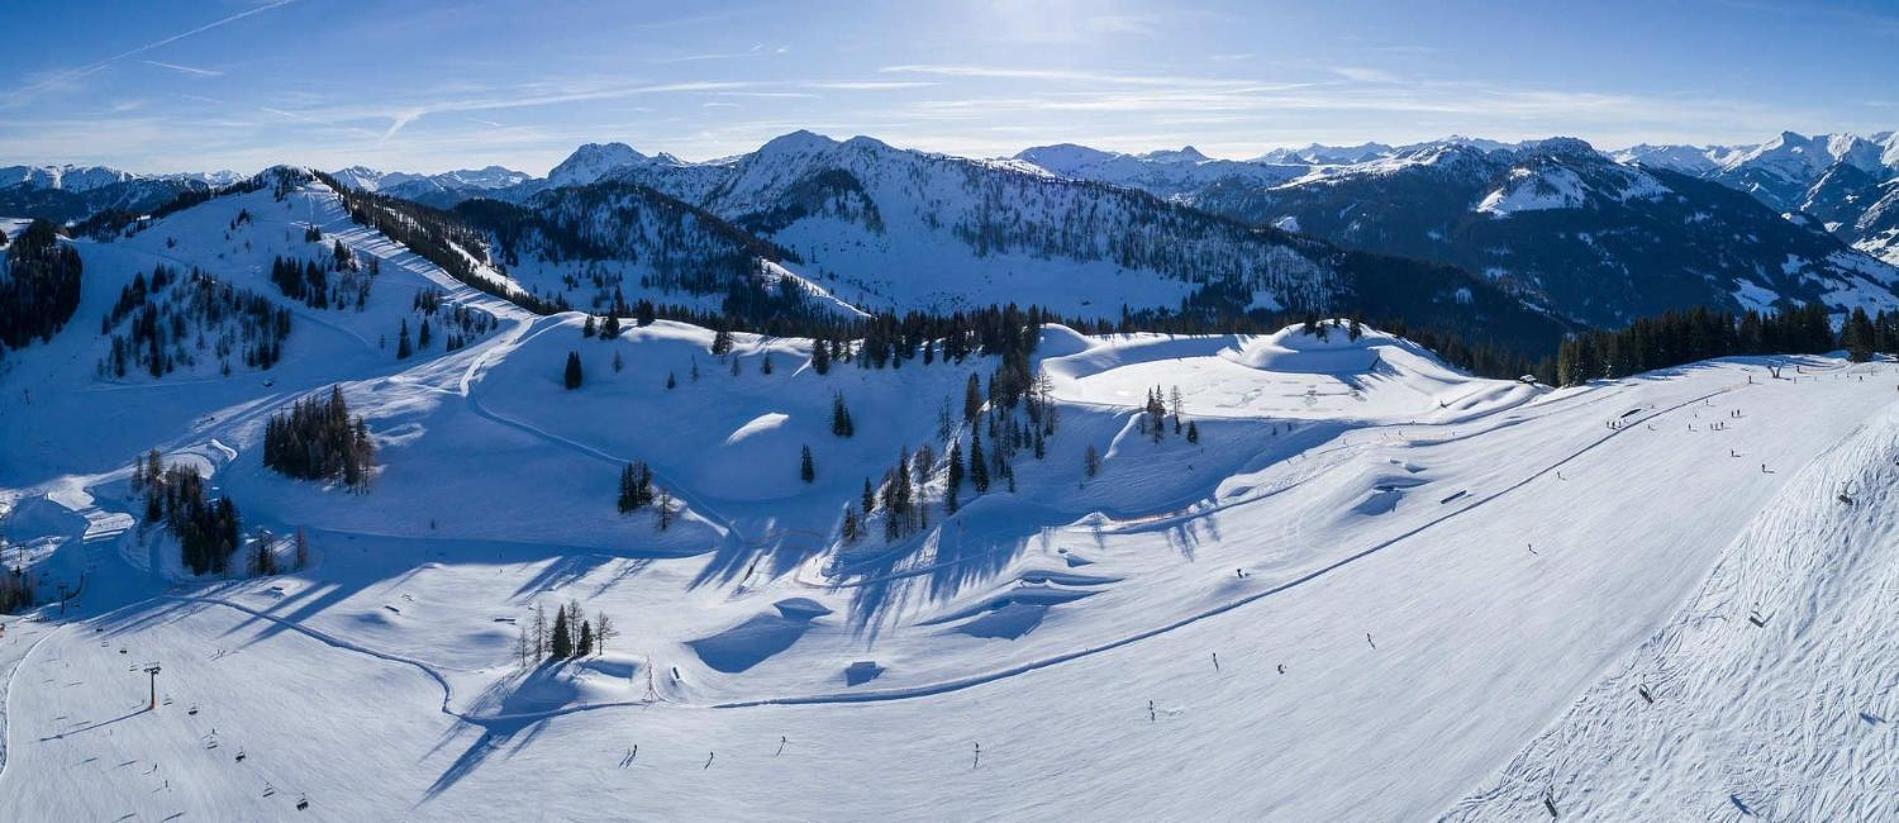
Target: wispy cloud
x=870 y=85
x=1360 y=74
x=186 y=70
x=59 y=78
x=760 y=50
x=405 y=116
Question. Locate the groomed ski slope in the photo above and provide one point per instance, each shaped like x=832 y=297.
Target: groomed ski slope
x=1464 y=580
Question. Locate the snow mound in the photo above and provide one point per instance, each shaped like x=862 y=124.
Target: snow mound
x=1293 y=349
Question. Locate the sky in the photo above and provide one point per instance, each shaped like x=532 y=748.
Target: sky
x=433 y=85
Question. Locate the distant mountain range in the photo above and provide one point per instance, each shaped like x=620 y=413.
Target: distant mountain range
x=1518 y=238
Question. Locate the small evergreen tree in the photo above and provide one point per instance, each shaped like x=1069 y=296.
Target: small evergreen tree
x=1091 y=461
x=978 y=466
x=954 y=482
x=588 y=329
x=1193 y=432
x=585 y=647
x=562 y=645
x=573 y=376
x=403 y=347
x=806 y=471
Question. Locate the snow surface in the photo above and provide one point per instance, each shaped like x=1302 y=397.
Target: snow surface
x=1462 y=579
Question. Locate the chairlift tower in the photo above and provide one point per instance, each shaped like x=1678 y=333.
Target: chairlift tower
x=153 y=671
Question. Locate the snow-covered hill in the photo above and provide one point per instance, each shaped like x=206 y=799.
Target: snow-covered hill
x=1354 y=553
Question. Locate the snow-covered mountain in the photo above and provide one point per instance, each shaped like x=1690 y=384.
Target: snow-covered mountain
x=439 y=190
x=1591 y=238
x=1165 y=173
x=1554 y=220
x=66 y=193
x=888 y=228
x=1838 y=179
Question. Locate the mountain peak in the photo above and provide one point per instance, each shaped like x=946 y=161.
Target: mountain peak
x=593 y=161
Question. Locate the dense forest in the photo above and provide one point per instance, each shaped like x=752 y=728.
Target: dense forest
x=39 y=285
x=317 y=439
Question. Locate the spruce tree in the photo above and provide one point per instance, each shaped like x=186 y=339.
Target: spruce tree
x=422 y=335
x=972 y=398
x=806 y=471
x=585 y=647
x=588 y=329
x=978 y=466
x=403 y=348
x=954 y=482
x=562 y=645
x=820 y=357
x=611 y=329
x=573 y=376
x=1193 y=432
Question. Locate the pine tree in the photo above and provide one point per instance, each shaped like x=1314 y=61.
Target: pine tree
x=869 y=498
x=972 y=398
x=588 y=329
x=847 y=531
x=561 y=646
x=403 y=348
x=820 y=357
x=722 y=339
x=573 y=376
x=618 y=364
x=1193 y=432
x=585 y=647
x=806 y=471
x=611 y=329
x=978 y=466
x=841 y=424
x=954 y=482
x=671 y=382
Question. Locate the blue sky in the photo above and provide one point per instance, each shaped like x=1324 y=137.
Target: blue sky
x=430 y=85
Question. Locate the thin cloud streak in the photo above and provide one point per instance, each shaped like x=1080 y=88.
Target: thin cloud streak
x=22 y=93
x=187 y=70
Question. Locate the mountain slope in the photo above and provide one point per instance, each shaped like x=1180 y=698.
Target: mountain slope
x=1573 y=230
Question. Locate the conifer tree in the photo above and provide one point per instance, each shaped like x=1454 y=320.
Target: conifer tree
x=869 y=498
x=954 y=482
x=561 y=646
x=978 y=466
x=422 y=335
x=1193 y=432
x=611 y=329
x=588 y=329
x=585 y=647
x=671 y=382
x=1091 y=461
x=403 y=348
x=972 y=398
x=841 y=424
x=806 y=471
x=573 y=376
x=820 y=357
